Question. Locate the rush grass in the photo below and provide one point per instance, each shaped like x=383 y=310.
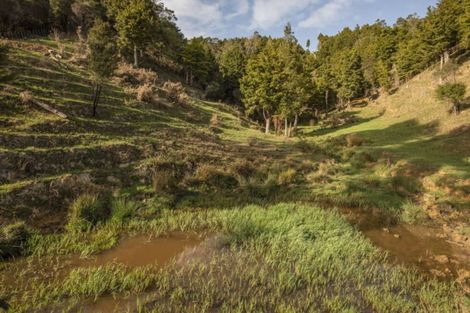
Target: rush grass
x=284 y=258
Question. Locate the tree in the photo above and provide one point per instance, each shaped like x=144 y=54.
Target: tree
x=275 y=83
x=20 y=15
x=464 y=26
x=103 y=56
x=452 y=92
x=350 y=76
x=135 y=24
x=232 y=63
x=85 y=12
x=440 y=29
x=382 y=75
x=198 y=61
x=262 y=84
x=61 y=12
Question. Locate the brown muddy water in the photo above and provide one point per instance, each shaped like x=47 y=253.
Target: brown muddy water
x=131 y=252
x=422 y=247
x=136 y=252
x=142 y=250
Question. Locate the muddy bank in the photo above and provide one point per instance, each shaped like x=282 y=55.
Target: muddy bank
x=426 y=249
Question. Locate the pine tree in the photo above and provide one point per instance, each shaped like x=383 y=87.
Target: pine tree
x=103 y=56
x=198 y=62
x=350 y=76
x=464 y=25
x=135 y=24
x=232 y=62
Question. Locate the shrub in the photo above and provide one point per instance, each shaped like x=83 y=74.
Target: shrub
x=242 y=169
x=129 y=75
x=406 y=185
x=184 y=99
x=214 y=91
x=3 y=50
x=354 y=140
x=286 y=177
x=163 y=180
x=163 y=172
x=176 y=92
x=26 y=97
x=259 y=188
x=324 y=172
x=359 y=160
x=454 y=93
x=145 y=93
x=123 y=209
x=211 y=176
x=306 y=146
x=412 y=213
x=12 y=239
x=87 y=211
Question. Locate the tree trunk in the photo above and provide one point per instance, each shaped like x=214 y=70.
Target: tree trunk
x=136 y=57
x=267 y=118
x=268 y=125
x=96 y=98
x=456 y=108
x=286 y=127
x=326 y=102
x=446 y=57
x=296 y=121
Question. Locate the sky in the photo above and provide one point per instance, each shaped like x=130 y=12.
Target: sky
x=309 y=18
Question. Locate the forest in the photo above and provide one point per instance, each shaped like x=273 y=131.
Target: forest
x=355 y=63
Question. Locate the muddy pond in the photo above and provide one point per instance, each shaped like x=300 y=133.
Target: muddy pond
x=416 y=246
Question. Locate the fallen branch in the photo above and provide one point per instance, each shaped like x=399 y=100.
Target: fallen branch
x=27 y=98
x=49 y=108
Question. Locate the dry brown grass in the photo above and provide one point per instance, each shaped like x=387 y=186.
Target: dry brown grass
x=214 y=122
x=286 y=177
x=145 y=93
x=176 y=93
x=126 y=74
x=163 y=180
x=26 y=97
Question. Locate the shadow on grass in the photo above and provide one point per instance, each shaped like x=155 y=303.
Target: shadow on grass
x=347 y=115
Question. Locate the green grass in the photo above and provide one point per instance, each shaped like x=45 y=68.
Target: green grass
x=282 y=258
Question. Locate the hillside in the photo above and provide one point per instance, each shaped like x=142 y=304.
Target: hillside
x=47 y=160
x=411 y=141
x=279 y=218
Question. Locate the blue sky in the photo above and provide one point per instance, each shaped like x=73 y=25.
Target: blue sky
x=236 y=18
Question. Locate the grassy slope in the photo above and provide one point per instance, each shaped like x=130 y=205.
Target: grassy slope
x=414 y=144
x=42 y=153
x=417 y=126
